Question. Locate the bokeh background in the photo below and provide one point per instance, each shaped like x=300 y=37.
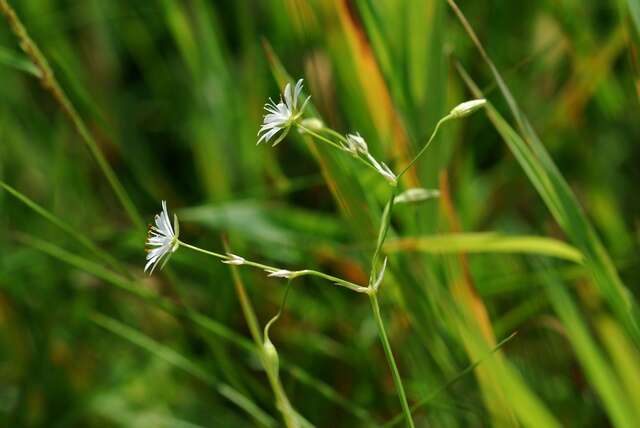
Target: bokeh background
x=172 y=92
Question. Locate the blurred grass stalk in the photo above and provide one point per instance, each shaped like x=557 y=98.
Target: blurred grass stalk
x=552 y=187
x=50 y=84
x=554 y=190
x=283 y=403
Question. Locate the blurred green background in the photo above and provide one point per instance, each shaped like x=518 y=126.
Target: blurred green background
x=172 y=92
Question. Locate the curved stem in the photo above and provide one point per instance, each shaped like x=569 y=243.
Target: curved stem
x=280 y=310
x=433 y=134
x=282 y=401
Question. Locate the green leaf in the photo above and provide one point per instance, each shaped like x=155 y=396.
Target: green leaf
x=487 y=242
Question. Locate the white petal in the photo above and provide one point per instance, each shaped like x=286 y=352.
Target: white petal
x=296 y=93
x=287 y=96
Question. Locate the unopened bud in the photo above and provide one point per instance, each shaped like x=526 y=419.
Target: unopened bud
x=271 y=356
x=466 y=108
x=312 y=123
x=356 y=144
x=416 y=194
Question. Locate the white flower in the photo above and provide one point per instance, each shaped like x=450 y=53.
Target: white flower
x=416 y=194
x=282 y=115
x=234 y=260
x=161 y=239
x=356 y=144
x=467 y=107
x=280 y=273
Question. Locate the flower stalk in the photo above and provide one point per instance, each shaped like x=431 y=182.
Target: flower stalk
x=266 y=351
x=277 y=272
x=163 y=239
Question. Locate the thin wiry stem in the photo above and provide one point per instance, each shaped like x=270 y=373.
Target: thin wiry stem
x=375 y=308
x=50 y=83
x=334 y=144
x=282 y=401
x=382 y=234
x=397 y=380
x=424 y=148
x=292 y=274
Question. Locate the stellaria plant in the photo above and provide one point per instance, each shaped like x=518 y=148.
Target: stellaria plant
x=390 y=89
x=281 y=118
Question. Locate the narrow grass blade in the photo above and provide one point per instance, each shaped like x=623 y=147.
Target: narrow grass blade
x=565 y=208
x=474 y=313
x=373 y=86
x=596 y=367
x=11 y=59
x=50 y=83
x=206 y=323
x=137 y=289
x=432 y=395
x=485 y=242
x=163 y=352
x=180 y=361
x=527 y=406
x=625 y=359
x=58 y=222
x=634 y=9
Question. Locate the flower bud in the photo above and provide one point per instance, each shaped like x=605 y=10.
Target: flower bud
x=356 y=144
x=272 y=361
x=416 y=194
x=312 y=123
x=466 y=108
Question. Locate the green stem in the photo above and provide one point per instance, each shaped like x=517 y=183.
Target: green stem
x=282 y=402
x=382 y=234
x=335 y=134
x=202 y=250
x=397 y=380
x=433 y=134
x=334 y=144
x=375 y=307
x=293 y=274
x=273 y=371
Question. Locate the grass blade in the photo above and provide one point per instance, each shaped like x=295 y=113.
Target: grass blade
x=596 y=367
x=50 y=83
x=58 y=222
x=180 y=361
x=485 y=242
x=565 y=208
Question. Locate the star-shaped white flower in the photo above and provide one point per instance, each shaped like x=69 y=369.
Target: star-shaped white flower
x=161 y=239
x=282 y=115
